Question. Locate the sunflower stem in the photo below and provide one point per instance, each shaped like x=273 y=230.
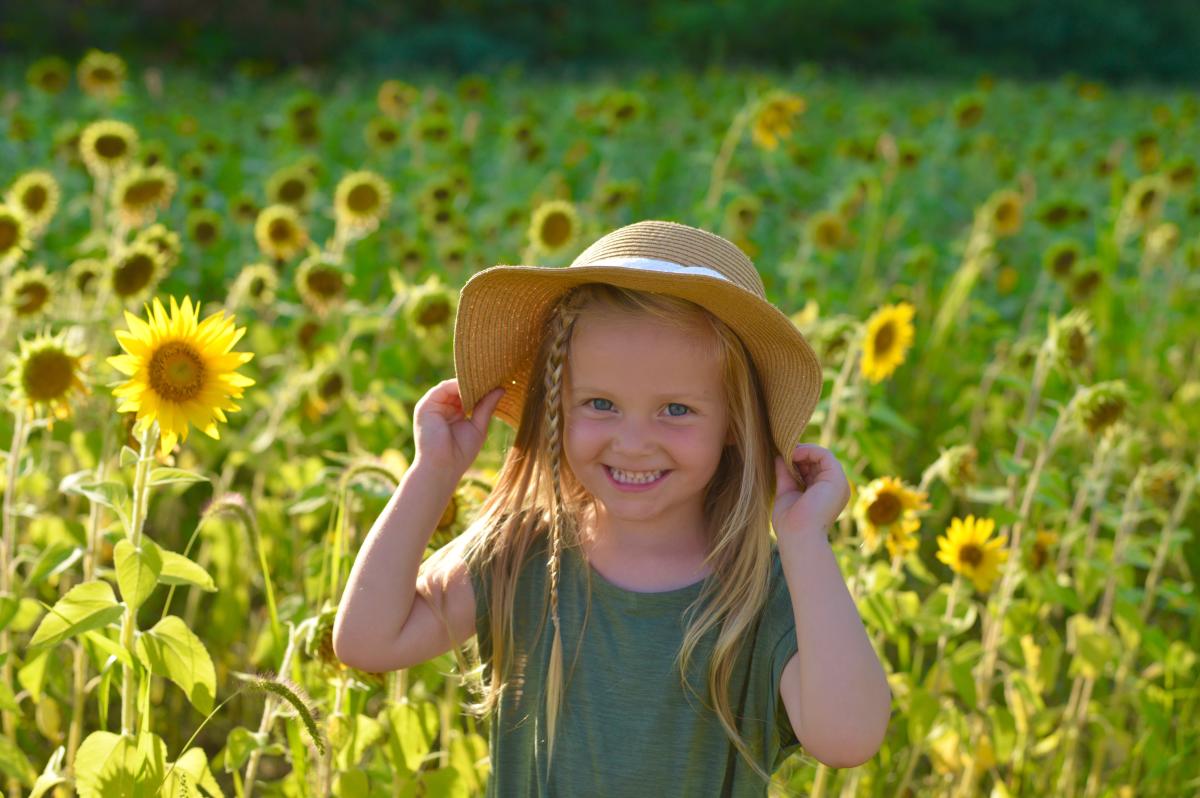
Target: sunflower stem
x=829 y=428
x=732 y=136
x=147 y=441
x=7 y=573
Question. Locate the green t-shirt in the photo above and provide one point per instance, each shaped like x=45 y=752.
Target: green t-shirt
x=627 y=727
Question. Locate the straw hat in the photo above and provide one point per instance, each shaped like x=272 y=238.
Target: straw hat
x=503 y=312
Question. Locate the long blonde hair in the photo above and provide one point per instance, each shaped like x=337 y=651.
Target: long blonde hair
x=535 y=496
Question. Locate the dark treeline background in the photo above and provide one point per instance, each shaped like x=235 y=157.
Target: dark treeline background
x=1108 y=39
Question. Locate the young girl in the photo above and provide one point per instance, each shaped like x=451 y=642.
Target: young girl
x=639 y=630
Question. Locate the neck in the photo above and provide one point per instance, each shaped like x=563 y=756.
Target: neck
x=686 y=540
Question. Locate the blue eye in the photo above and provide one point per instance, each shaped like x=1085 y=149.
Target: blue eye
x=598 y=400
x=676 y=404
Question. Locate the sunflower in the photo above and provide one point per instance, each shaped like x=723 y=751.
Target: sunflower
x=107 y=146
x=827 y=231
x=382 y=133
x=437 y=192
x=360 y=201
x=742 y=212
x=30 y=293
x=1072 y=339
x=1003 y=213
x=889 y=334
x=245 y=209
x=153 y=153
x=280 y=233
x=255 y=284
x=14 y=234
x=140 y=192
x=1039 y=555
x=1087 y=278
x=443 y=220
x=621 y=108
x=957 y=466
x=46 y=374
x=430 y=307
x=887 y=509
x=193 y=165
x=1181 y=173
x=195 y=197
x=1162 y=241
x=453 y=254
x=1061 y=210
x=326 y=392
x=1147 y=150
x=180 y=370
x=164 y=241
x=51 y=74
x=968 y=110
x=909 y=153
x=204 y=226
x=434 y=128
x=1060 y=258
x=966 y=548
x=395 y=98
x=101 y=74
x=554 y=226
x=1145 y=199
x=135 y=271
x=773 y=118
x=616 y=194
x=1163 y=482
x=322 y=283
x=82 y=276
x=36 y=194
x=292 y=185
x=1097 y=408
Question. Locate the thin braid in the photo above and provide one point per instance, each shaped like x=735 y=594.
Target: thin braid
x=560 y=330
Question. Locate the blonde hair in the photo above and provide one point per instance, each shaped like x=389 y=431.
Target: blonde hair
x=534 y=496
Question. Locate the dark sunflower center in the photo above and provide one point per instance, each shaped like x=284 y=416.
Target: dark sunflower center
x=144 y=192
x=1105 y=415
x=84 y=280
x=256 y=287
x=31 y=297
x=176 y=372
x=1005 y=213
x=292 y=190
x=332 y=386
x=103 y=75
x=325 y=282
x=279 y=230
x=1063 y=263
x=884 y=338
x=556 y=229
x=970 y=555
x=387 y=135
x=8 y=234
x=133 y=274
x=1147 y=200
x=441 y=194
x=111 y=146
x=47 y=375
x=745 y=215
x=434 y=313
x=885 y=509
x=204 y=232
x=828 y=233
x=34 y=198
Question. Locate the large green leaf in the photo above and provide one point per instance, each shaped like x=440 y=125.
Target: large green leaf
x=179 y=570
x=412 y=727
x=88 y=605
x=172 y=650
x=137 y=570
x=108 y=765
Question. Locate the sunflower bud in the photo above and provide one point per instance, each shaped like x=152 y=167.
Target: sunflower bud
x=1098 y=407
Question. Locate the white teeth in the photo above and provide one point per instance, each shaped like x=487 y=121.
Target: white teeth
x=634 y=477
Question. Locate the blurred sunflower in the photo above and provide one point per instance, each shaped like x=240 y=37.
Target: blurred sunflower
x=434 y=127
x=1162 y=241
x=554 y=226
x=280 y=233
x=616 y=194
x=453 y=254
x=36 y=194
x=1181 y=173
x=1147 y=150
x=140 y=192
x=1003 y=213
x=322 y=283
x=886 y=511
x=292 y=185
x=46 y=374
x=101 y=74
x=395 y=98
x=83 y=274
x=244 y=208
x=51 y=74
x=30 y=292
x=381 y=133
x=107 y=146
x=1060 y=258
x=969 y=549
x=442 y=220
x=1040 y=553
x=968 y=110
x=430 y=308
x=153 y=153
x=742 y=212
x=196 y=196
x=622 y=107
x=135 y=271
x=326 y=392
x=773 y=118
x=1097 y=408
x=360 y=201
x=1144 y=201
x=204 y=226
x=180 y=370
x=1060 y=210
x=888 y=335
x=1087 y=278
x=255 y=285
x=827 y=231
x=164 y=241
x=14 y=235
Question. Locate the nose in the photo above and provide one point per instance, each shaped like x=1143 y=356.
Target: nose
x=632 y=437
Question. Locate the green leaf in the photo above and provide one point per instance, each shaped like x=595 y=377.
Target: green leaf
x=107 y=492
x=1093 y=647
x=1009 y=466
x=14 y=763
x=108 y=764
x=886 y=415
x=412 y=727
x=172 y=650
x=32 y=675
x=88 y=605
x=168 y=476
x=364 y=732
x=110 y=647
x=191 y=769
x=54 y=559
x=179 y=570
x=128 y=456
x=51 y=775
x=137 y=570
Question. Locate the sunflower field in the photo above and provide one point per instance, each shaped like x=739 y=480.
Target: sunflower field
x=1001 y=280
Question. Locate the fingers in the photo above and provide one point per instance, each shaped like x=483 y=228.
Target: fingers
x=482 y=413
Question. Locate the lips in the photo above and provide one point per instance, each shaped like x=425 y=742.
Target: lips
x=662 y=473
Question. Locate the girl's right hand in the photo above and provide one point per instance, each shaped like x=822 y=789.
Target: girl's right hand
x=445 y=437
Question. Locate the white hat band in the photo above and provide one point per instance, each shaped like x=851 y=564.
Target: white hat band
x=654 y=265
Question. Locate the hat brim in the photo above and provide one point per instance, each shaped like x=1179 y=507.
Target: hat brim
x=503 y=312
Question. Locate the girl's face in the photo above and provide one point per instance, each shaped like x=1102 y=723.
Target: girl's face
x=646 y=420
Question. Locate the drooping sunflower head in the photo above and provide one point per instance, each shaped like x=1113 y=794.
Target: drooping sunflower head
x=322 y=283
x=181 y=370
x=1162 y=241
x=51 y=74
x=1097 y=408
x=970 y=550
x=957 y=466
x=30 y=293
x=827 y=231
x=742 y=212
x=292 y=185
x=1145 y=199
x=107 y=146
x=1042 y=550
x=203 y=226
x=47 y=372
x=382 y=133
x=1060 y=211
x=430 y=308
x=361 y=200
x=14 y=234
x=1072 y=339
x=1181 y=173
x=141 y=192
x=1084 y=281
x=164 y=241
x=255 y=285
x=554 y=226
x=395 y=98
x=1060 y=258
x=36 y=194
x=883 y=504
x=135 y=271
x=773 y=118
x=888 y=335
x=84 y=275
x=1003 y=213
x=102 y=74
x=280 y=233
x=1163 y=482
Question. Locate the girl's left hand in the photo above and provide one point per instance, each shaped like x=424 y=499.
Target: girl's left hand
x=818 y=504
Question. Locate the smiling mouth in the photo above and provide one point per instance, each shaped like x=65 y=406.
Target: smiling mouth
x=635 y=477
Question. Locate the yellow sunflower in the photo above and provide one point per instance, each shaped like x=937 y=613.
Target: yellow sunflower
x=887 y=510
x=888 y=336
x=360 y=201
x=36 y=194
x=164 y=241
x=430 y=308
x=135 y=271
x=742 y=212
x=46 y=375
x=139 y=193
x=204 y=226
x=180 y=370
x=14 y=235
x=1145 y=199
x=1039 y=555
x=395 y=97
x=256 y=285
x=51 y=74
x=107 y=146
x=30 y=292
x=969 y=549
x=554 y=226
x=1003 y=212
x=773 y=118
x=827 y=231
x=83 y=274
x=292 y=185
x=322 y=283
x=1061 y=257
x=279 y=232
x=101 y=74
x=382 y=133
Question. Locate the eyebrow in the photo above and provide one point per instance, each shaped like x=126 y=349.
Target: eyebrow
x=691 y=397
